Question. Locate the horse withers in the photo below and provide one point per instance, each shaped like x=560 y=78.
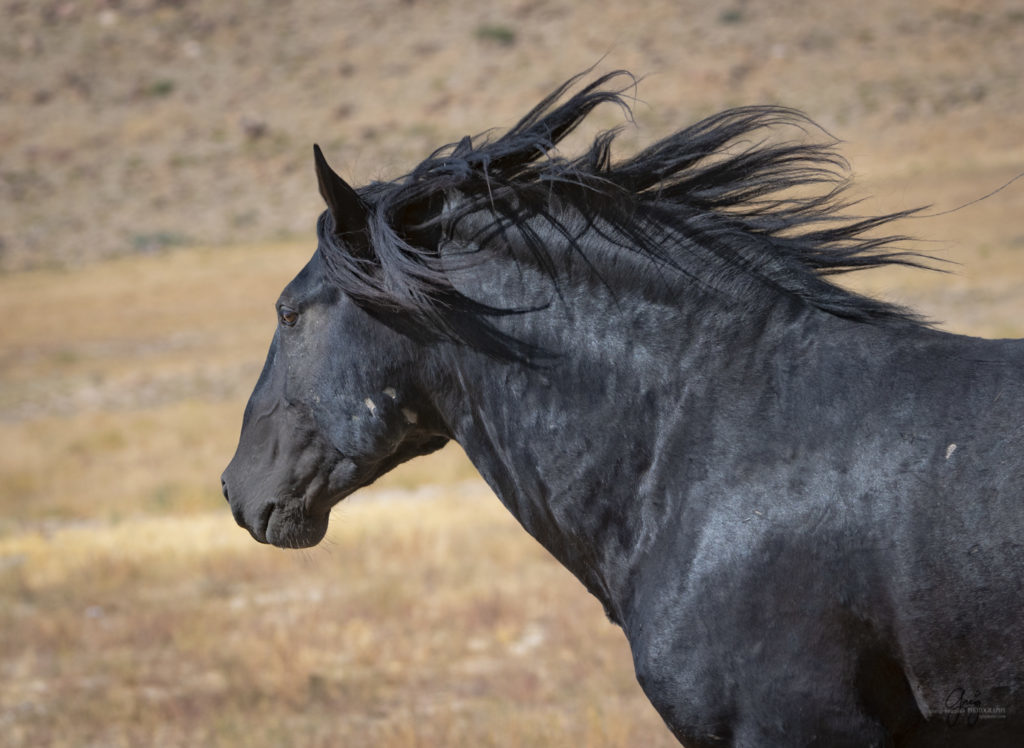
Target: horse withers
x=803 y=506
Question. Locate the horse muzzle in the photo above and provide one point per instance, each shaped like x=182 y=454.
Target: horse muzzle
x=285 y=524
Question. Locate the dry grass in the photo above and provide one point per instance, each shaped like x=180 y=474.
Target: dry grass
x=427 y=618
x=135 y=612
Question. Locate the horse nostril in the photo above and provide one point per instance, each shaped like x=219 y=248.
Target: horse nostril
x=224 y=488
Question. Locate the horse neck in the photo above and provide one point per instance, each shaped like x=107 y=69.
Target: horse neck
x=564 y=444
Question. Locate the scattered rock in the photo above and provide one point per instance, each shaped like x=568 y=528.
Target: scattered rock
x=253 y=127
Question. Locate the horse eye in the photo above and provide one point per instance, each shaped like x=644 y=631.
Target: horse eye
x=287 y=315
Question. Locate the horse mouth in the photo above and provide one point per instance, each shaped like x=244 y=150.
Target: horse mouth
x=295 y=519
x=289 y=527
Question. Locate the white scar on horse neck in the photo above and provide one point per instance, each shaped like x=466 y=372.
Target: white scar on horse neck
x=390 y=392
x=410 y=416
x=950 y=450
x=371 y=405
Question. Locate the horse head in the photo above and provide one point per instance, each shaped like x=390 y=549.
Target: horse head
x=340 y=400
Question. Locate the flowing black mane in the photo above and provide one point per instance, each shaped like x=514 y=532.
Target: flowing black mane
x=718 y=203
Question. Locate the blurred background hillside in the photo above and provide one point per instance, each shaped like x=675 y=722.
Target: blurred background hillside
x=132 y=125
x=156 y=192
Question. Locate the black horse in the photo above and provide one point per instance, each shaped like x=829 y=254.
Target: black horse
x=803 y=506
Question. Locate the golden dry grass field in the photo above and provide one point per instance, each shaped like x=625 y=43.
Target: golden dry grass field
x=156 y=192
x=134 y=612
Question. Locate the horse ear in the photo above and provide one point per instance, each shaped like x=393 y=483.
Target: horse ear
x=347 y=208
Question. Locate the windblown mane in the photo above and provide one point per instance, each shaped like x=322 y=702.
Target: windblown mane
x=767 y=217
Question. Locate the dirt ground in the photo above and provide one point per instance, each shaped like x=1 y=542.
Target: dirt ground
x=156 y=192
